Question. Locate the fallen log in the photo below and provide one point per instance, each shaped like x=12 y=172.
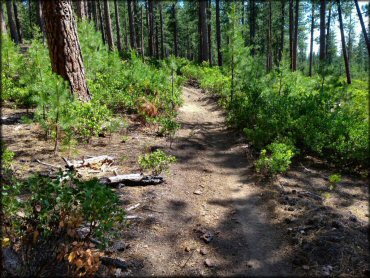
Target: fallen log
x=133 y=179
x=88 y=162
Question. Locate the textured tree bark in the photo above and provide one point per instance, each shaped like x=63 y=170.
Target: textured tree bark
x=64 y=46
x=295 y=41
x=322 y=31
x=40 y=19
x=366 y=36
x=101 y=22
x=252 y=25
x=95 y=15
x=156 y=38
x=282 y=30
x=127 y=35
x=2 y=19
x=218 y=33
x=137 y=24
x=204 y=30
x=108 y=25
x=162 y=30
x=131 y=20
x=11 y=22
x=175 y=29
x=17 y=22
x=200 y=35
x=345 y=56
x=118 y=27
x=209 y=14
x=311 y=39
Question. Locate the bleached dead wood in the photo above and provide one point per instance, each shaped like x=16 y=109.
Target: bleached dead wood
x=89 y=161
x=133 y=179
x=49 y=165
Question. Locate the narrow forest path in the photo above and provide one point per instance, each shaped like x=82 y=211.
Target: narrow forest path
x=210 y=188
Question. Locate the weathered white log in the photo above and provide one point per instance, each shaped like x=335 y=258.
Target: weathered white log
x=88 y=161
x=133 y=179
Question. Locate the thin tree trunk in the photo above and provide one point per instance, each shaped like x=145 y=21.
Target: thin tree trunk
x=162 y=30
x=156 y=37
x=90 y=10
x=142 y=31
x=127 y=32
x=199 y=35
x=346 y=61
x=11 y=22
x=81 y=9
x=118 y=27
x=209 y=13
x=269 y=36
x=328 y=34
x=101 y=22
x=218 y=33
x=322 y=32
x=136 y=25
x=94 y=14
x=30 y=13
x=17 y=22
x=295 y=41
x=2 y=19
x=311 y=39
x=108 y=25
x=64 y=46
x=366 y=37
x=282 y=30
x=252 y=25
x=151 y=28
x=131 y=20
x=175 y=29
x=204 y=30
x=41 y=21
x=291 y=33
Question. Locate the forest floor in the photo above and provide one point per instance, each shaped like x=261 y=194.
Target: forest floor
x=214 y=215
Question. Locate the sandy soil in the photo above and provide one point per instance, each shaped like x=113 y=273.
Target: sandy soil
x=256 y=227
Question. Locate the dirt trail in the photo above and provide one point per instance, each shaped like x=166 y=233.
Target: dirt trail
x=212 y=162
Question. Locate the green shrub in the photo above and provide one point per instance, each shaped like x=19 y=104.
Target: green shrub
x=43 y=218
x=276 y=158
x=6 y=157
x=157 y=161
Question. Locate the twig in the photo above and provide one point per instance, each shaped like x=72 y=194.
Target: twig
x=188 y=259
x=47 y=164
x=69 y=164
x=133 y=207
x=132 y=217
x=153 y=210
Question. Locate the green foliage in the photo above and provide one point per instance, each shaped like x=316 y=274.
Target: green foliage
x=169 y=126
x=6 y=157
x=276 y=158
x=334 y=180
x=157 y=161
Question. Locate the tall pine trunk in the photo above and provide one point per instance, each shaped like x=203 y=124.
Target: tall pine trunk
x=131 y=21
x=94 y=15
x=40 y=19
x=101 y=22
x=162 y=30
x=328 y=34
x=295 y=41
x=151 y=28
x=209 y=13
x=291 y=33
x=142 y=46
x=364 y=32
x=127 y=32
x=344 y=51
x=218 y=34
x=18 y=22
x=108 y=25
x=282 y=24
x=252 y=25
x=311 y=39
x=81 y=13
x=204 y=30
x=175 y=30
x=11 y=22
x=64 y=46
x=322 y=32
x=269 y=38
x=118 y=27
x=2 y=19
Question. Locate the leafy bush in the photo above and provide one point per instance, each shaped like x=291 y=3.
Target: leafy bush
x=276 y=158
x=44 y=218
x=157 y=161
x=6 y=157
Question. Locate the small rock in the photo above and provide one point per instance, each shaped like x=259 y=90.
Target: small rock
x=203 y=251
x=294 y=191
x=305 y=267
x=207 y=237
x=197 y=192
x=326 y=270
x=208 y=263
x=187 y=249
x=201 y=185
